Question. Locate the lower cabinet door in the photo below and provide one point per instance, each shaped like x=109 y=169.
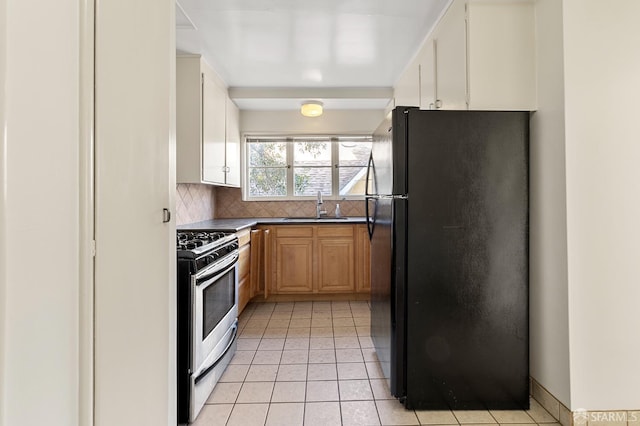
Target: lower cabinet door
x=336 y=269
x=363 y=262
x=294 y=265
x=244 y=293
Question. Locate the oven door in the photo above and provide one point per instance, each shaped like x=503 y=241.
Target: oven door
x=215 y=308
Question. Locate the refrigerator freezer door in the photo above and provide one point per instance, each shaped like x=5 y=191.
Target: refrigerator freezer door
x=399 y=150
x=389 y=154
x=380 y=166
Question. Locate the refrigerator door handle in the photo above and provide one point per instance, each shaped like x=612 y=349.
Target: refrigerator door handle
x=369 y=196
x=370 y=166
x=371 y=219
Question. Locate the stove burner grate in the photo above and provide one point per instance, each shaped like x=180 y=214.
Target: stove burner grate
x=189 y=240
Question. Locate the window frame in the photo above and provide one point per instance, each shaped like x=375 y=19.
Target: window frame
x=334 y=140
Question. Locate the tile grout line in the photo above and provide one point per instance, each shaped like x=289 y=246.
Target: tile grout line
x=308 y=349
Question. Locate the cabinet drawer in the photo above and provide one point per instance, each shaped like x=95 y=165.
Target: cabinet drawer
x=244 y=237
x=335 y=231
x=294 y=231
x=244 y=261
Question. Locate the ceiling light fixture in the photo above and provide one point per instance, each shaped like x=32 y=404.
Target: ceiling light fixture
x=311 y=109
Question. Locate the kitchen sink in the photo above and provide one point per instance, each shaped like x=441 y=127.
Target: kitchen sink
x=312 y=219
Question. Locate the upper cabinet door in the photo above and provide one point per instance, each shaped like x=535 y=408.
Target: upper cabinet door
x=214 y=98
x=451 y=63
x=207 y=124
x=428 y=78
x=407 y=90
x=502 y=68
x=188 y=120
x=233 y=144
x=481 y=56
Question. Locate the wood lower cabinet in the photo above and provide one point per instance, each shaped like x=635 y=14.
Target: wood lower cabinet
x=294 y=265
x=315 y=259
x=244 y=269
x=336 y=265
x=336 y=258
x=363 y=260
x=293 y=258
x=261 y=262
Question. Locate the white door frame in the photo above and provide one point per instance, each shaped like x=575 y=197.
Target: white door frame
x=86 y=214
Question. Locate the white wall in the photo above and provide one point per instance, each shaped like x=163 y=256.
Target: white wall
x=549 y=317
x=291 y=122
x=602 y=88
x=39 y=280
x=585 y=205
x=3 y=206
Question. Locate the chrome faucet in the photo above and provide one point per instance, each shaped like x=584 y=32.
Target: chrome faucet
x=319 y=211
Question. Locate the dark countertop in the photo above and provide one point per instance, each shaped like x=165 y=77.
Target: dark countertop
x=238 y=224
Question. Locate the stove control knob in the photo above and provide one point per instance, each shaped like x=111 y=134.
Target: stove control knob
x=234 y=246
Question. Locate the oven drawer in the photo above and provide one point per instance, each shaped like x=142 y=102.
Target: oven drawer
x=203 y=382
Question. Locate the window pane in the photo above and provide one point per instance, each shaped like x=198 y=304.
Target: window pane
x=312 y=153
x=267 y=154
x=267 y=182
x=352 y=180
x=309 y=180
x=354 y=153
x=307 y=164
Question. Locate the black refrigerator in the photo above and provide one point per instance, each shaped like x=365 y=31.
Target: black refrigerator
x=447 y=211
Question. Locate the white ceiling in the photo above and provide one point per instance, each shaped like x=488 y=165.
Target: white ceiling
x=347 y=53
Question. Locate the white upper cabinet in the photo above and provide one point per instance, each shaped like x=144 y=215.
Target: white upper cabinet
x=450 y=63
x=480 y=56
x=501 y=55
x=233 y=144
x=207 y=126
x=407 y=89
x=428 y=83
x=214 y=136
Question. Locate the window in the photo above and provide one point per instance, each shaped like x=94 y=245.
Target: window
x=299 y=167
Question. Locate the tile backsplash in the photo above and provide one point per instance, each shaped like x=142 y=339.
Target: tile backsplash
x=194 y=203
x=229 y=204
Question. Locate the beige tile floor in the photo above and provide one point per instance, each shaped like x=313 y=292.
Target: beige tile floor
x=313 y=363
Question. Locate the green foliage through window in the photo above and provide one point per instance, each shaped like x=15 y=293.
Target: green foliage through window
x=287 y=168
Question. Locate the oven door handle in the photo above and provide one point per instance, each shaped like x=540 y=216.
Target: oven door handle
x=218 y=268
x=207 y=370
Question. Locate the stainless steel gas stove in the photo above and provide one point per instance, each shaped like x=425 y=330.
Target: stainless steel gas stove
x=207 y=314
